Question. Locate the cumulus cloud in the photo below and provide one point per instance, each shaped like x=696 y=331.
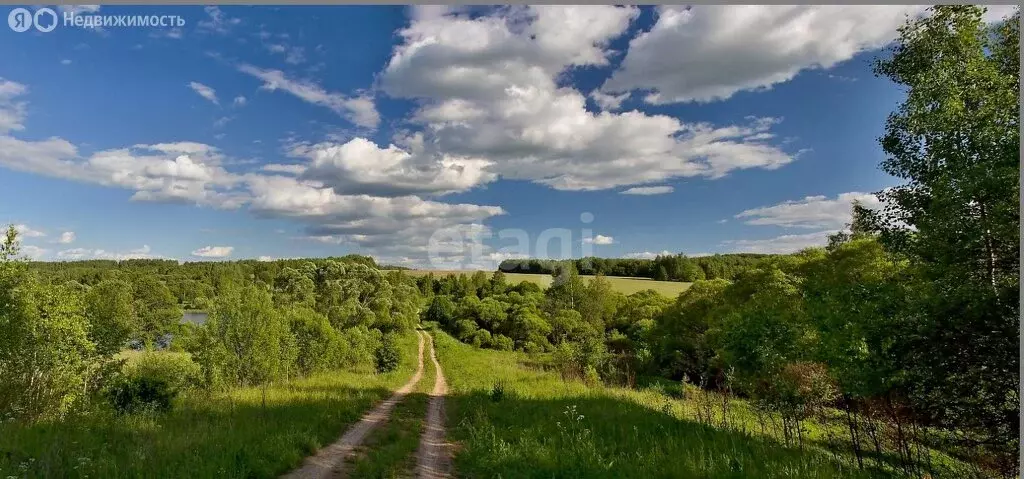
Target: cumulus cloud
x=780 y=244
x=599 y=240
x=213 y=251
x=812 y=212
x=489 y=88
x=648 y=190
x=12 y=111
x=77 y=254
x=26 y=232
x=67 y=237
x=239 y=101
x=647 y=255
x=33 y=252
x=217 y=21
x=360 y=166
x=204 y=91
x=704 y=53
x=391 y=221
x=360 y=110
x=179 y=172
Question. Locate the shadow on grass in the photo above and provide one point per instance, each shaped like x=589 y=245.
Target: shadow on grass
x=201 y=437
x=600 y=436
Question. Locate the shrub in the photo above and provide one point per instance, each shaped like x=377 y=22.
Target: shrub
x=501 y=342
x=388 y=355
x=131 y=394
x=151 y=381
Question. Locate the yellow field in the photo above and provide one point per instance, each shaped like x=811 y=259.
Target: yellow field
x=622 y=285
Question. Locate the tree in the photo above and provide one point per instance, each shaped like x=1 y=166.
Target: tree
x=46 y=358
x=441 y=311
x=260 y=346
x=955 y=141
x=156 y=308
x=108 y=306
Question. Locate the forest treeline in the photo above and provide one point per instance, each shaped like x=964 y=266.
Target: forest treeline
x=904 y=328
x=668 y=267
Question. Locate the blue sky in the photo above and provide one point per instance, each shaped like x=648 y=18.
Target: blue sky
x=413 y=134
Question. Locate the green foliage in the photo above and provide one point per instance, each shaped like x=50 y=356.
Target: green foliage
x=111 y=315
x=157 y=309
x=319 y=346
x=388 y=355
x=152 y=380
x=260 y=347
x=46 y=358
x=955 y=140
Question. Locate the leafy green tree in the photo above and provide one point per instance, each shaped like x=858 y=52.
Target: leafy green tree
x=156 y=308
x=955 y=141
x=46 y=358
x=260 y=347
x=319 y=346
x=111 y=315
x=441 y=311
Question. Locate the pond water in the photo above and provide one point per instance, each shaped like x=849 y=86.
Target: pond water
x=197 y=317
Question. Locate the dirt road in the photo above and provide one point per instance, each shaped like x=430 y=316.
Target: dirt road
x=330 y=461
x=433 y=458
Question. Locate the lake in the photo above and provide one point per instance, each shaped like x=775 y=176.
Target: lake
x=197 y=317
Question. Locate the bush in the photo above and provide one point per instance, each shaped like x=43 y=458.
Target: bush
x=131 y=394
x=388 y=355
x=151 y=381
x=501 y=342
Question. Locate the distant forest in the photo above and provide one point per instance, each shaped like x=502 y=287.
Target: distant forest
x=662 y=268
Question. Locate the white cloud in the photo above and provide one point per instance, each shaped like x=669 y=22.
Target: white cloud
x=489 y=88
x=79 y=9
x=648 y=190
x=608 y=102
x=781 y=244
x=65 y=62
x=218 y=22
x=265 y=258
x=26 y=232
x=996 y=13
x=213 y=251
x=67 y=237
x=12 y=112
x=77 y=254
x=239 y=101
x=647 y=255
x=204 y=91
x=289 y=169
x=812 y=212
x=178 y=172
x=710 y=52
x=359 y=110
x=292 y=55
x=360 y=166
x=33 y=252
x=599 y=240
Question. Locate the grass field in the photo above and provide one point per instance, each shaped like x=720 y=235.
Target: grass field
x=225 y=435
x=546 y=427
x=622 y=285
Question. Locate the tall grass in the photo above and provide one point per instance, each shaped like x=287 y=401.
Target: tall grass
x=541 y=426
x=221 y=435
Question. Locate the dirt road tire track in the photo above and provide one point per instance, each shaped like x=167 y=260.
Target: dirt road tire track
x=433 y=458
x=329 y=462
